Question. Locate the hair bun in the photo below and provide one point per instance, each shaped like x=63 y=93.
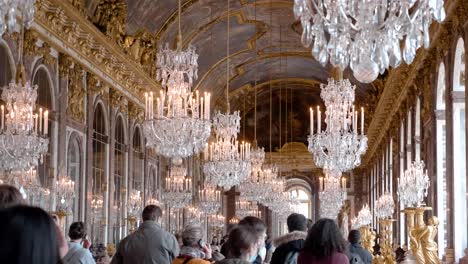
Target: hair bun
x=77 y=230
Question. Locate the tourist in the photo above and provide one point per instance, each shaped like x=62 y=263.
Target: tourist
x=324 y=245
x=27 y=235
x=355 y=248
x=149 y=244
x=9 y=196
x=77 y=254
x=243 y=245
x=288 y=246
x=194 y=250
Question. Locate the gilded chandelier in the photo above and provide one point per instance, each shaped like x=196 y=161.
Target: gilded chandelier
x=385 y=206
x=23 y=132
x=338 y=148
x=178 y=191
x=332 y=196
x=227 y=162
x=412 y=187
x=13 y=11
x=366 y=34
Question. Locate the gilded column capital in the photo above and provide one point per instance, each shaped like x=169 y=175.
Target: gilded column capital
x=45 y=51
x=65 y=64
x=117 y=100
x=94 y=84
x=76 y=93
x=29 y=43
x=135 y=112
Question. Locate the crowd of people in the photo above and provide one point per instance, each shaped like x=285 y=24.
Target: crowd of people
x=30 y=235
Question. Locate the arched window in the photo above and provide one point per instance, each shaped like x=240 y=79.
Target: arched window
x=98 y=179
x=74 y=172
x=138 y=165
x=119 y=177
x=6 y=73
x=459 y=151
x=44 y=101
x=304 y=201
x=441 y=160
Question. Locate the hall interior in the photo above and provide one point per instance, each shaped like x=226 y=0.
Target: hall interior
x=219 y=109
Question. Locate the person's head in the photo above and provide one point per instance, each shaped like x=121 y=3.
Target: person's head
x=324 y=239
x=243 y=242
x=27 y=235
x=296 y=222
x=354 y=237
x=192 y=235
x=256 y=224
x=77 y=231
x=10 y=196
x=151 y=213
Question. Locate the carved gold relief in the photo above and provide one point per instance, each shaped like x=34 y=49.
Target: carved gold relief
x=76 y=93
x=141 y=47
x=29 y=45
x=110 y=17
x=135 y=112
x=117 y=100
x=93 y=84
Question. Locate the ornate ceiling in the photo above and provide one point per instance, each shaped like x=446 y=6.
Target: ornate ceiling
x=279 y=58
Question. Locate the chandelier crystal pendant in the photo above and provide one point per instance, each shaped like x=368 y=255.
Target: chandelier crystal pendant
x=23 y=132
x=385 y=206
x=209 y=199
x=413 y=186
x=364 y=218
x=216 y=221
x=332 y=196
x=245 y=208
x=14 y=11
x=178 y=126
x=227 y=162
x=178 y=189
x=65 y=193
x=134 y=203
x=366 y=34
x=257 y=157
x=259 y=184
x=339 y=147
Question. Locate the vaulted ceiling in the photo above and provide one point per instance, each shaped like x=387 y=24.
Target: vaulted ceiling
x=265 y=53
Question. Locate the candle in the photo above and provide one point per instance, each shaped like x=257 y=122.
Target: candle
x=146 y=106
x=35 y=123
x=40 y=120
x=202 y=114
x=46 y=121
x=151 y=105
x=355 y=120
x=362 y=120
x=321 y=183
x=319 y=119
x=311 y=121
x=3 y=113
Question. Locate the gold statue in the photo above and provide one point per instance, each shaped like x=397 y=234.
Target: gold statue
x=428 y=245
x=368 y=238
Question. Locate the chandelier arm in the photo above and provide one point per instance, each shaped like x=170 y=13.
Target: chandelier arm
x=227 y=55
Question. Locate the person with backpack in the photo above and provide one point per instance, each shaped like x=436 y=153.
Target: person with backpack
x=288 y=246
x=358 y=253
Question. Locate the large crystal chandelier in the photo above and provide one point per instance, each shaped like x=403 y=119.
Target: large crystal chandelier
x=259 y=184
x=366 y=34
x=65 y=193
x=245 y=208
x=23 y=132
x=216 y=221
x=364 y=218
x=412 y=187
x=274 y=191
x=385 y=206
x=209 y=199
x=227 y=161
x=178 y=189
x=180 y=125
x=134 y=203
x=257 y=157
x=332 y=196
x=13 y=11
x=338 y=148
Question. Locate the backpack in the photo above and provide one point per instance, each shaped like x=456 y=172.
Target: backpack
x=355 y=259
x=291 y=257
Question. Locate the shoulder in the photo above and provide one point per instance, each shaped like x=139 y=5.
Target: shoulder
x=340 y=257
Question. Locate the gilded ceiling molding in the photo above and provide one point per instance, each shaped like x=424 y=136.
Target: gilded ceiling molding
x=58 y=23
x=293 y=156
x=402 y=79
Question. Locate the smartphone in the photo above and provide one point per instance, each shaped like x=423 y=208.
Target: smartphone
x=201 y=243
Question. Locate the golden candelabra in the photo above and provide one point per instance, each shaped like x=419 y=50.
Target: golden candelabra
x=386 y=240
x=422 y=244
x=368 y=238
x=132 y=222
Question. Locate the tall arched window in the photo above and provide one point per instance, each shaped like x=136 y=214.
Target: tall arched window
x=74 y=172
x=98 y=179
x=6 y=73
x=120 y=166
x=44 y=100
x=137 y=177
x=441 y=159
x=459 y=151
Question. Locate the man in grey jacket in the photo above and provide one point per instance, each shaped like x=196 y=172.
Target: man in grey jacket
x=150 y=244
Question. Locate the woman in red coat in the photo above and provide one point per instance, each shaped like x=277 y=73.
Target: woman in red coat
x=324 y=245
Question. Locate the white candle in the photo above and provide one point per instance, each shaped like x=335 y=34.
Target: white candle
x=311 y=121
x=151 y=105
x=146 y=106
x=362 y=120
x=35 y=123
x=202 y=112
x=46 y=121
x=3 y=113
x=40 y=120
x=319 y=119
x=355 y=120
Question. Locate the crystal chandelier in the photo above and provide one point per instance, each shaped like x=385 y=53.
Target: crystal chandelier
x=227 y=162
x=216 y=221
x=257 y=157
x=412 y=187
x=13 y=10
x=366 y=34
x=134 y=203
x=332 y=196
x=246 y=208
x=234 y=221
x=181 y=125
x=385 y=206
x=259 y=184
x=23 y=133
x=192 y=215
x=65 y=193
x=209 y=199
x=178 y=191
x=30 y=187
x=96 y=203
x=274 y=191
x=338 y=148
x=364 y=218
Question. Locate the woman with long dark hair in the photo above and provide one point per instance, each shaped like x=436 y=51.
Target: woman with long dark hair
x=324 y=245
x=27 y=235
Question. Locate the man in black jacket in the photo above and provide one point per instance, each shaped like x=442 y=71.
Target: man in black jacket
x=289 y=245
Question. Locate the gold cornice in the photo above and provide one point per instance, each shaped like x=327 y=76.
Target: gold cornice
x=58 y=23
x=402 y=79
